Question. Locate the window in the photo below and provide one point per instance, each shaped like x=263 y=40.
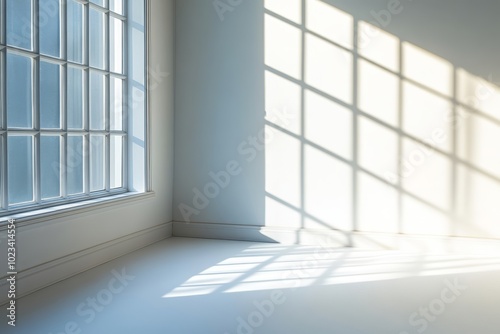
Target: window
x=66 y=131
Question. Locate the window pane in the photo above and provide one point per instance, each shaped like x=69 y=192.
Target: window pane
x=97 y=163
x=19 y=23
x=96 y=31
x=75 y=98
x=3 y=120
x=116 y=162
x=19 y=95
x=50 y=166
x=50 y=112
x=74 y=165
x=97 y=86
x=75 y=31
x=116 y=101
x=101 y=3
x=20 y=169
x=116 y=6
x=49 y=23
x=116 y=45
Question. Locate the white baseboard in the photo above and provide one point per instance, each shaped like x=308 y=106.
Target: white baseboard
x=335 y=238
x=41 y=276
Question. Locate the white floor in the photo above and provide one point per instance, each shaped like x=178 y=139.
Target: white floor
x=225 y=287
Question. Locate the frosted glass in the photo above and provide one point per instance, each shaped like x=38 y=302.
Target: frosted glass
x=96 y=42
x=20 y=169
x=75 y=98
x=74 y=165
x=19 y=94
x=97 y=163
x=50 y=166
x=116 y=45
x=97 y=98
x=75 y=31
x=19 y=23
x=116 y=6
x=116 y=104
x=101 y=3
x=116 y=162
x=50 y=106
x=49 y=23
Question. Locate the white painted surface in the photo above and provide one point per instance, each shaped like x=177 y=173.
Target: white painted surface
x=197 y=286
x=253 y=56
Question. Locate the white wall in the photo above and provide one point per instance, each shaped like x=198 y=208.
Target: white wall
x=54 y=239
x=341 y=115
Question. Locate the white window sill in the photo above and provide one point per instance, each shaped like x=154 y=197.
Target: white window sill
x=41 y=215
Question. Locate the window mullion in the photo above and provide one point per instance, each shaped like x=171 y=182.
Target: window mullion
x=126 y=101
x=3 y=90
x=64 y=125
x=3 y=23
x=36 y=127
x=4 y=198
x=86 y=99
x=36 y=26
x=107 y=113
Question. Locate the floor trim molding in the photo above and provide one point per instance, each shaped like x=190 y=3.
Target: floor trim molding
x=336 y=238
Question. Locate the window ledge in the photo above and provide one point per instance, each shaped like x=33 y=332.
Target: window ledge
x=64 y=210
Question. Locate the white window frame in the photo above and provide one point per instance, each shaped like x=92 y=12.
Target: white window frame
x=137 y=156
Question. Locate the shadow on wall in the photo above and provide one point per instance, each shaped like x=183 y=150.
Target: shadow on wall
x=366 y=131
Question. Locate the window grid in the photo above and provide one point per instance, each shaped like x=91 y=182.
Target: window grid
x=64 y=131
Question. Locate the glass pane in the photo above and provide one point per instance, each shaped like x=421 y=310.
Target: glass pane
x=20 y=169
x=116 y=45
x=49 y=23
x=75 y=98
x=101 y=3
x=97 y=163
x=96 y=31
x=116 y=6
x=97 y=99
x=50 y=106
x=19 y=23
x=19 y=95
x=50 y=166
x=2 y=35
x=74 y=165
x=116 y=101
x=3 y=120
x=116 y=161
x=75 y=31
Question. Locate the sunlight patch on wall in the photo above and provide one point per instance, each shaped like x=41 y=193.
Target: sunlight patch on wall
x=377 y=205
x=427 y=69
x=283 y=167
x=419 y=218
x=329 y=22
x=378 y=148
x=283 y=102
x=378 y=46
x=328 y=124
x=328 y=68
x=328 y=190
x=378 y=92
x=477 y=138
x=283 y=43
x=426 y=174
x=478 y=197
x=426 y=116
x=281 y=215
x=478 y=93
x=289 y=9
